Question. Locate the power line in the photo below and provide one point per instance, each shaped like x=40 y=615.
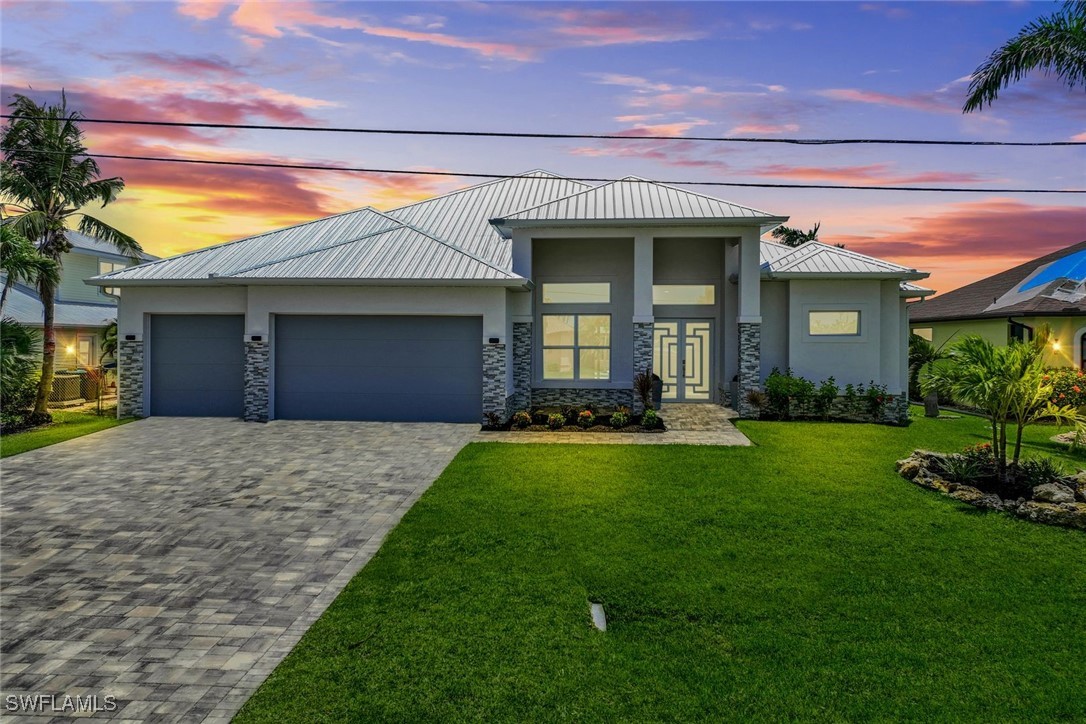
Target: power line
x=566 y=136
x=586 y=179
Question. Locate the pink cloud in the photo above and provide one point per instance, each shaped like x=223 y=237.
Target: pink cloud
x=1079 y=136
x=929 y=103
x=675 y=130
x=763 y=129
x=201 y=9
x=877 y=174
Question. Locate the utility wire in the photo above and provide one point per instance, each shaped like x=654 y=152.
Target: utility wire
x=568 y=136
x=587 y=179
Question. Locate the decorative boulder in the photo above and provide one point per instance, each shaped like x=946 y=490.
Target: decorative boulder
x=1053 y=493
x=1072 y=515
x=968 y=494
x=909 y=468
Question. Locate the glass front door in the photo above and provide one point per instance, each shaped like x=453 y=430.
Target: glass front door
x=683 y=359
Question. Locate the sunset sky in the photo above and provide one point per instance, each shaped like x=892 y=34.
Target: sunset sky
x=805 y=69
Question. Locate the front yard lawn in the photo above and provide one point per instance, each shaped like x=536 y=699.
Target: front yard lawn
x=798 y=579
x=66 y=425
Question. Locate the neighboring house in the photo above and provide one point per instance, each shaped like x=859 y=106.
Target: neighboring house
x=532 y=290
x=1013 y=304
x=81 y=311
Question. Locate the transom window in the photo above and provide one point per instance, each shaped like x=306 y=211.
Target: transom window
x=842 y=323
x=576 y=346
x=683 y=294
x=105 y=267
x=577 y=293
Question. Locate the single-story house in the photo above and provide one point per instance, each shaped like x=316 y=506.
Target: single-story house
x=529 y=290
x=1013 y=304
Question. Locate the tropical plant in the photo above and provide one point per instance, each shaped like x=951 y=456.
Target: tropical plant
x=109 y=340
x=922 y=355
x=643 y=383
x=650 y=419
x=1055 y=45
x=1007 y=384
x=824 y=397
x=586 y=419
x=18 y=345
x=22 y=262
x=620 y=420
x=1068 y=386
x=793 y=237
x=47 y=179
x=522 y=419
x=556 y=420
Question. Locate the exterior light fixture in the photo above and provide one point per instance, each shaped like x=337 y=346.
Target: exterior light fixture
x=1055 y=345
x=70 y=349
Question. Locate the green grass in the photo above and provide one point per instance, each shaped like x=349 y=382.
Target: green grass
x=66 y=425
x=799 y=579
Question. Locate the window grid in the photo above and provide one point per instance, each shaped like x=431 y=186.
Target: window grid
x=586 y=346
x=105 y=267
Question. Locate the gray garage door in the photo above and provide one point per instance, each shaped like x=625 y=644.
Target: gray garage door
x=197 y=365
x=425 y=369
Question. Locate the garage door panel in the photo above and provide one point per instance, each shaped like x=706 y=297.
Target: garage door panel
x=318 y=379
x=393 y=368
x=370 y=352
x=197 y=365
x=393 y=408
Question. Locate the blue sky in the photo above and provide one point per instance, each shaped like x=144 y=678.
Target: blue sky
x=803 y=69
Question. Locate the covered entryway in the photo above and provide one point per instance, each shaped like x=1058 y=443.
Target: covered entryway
x=197 y=364
x=378 y=368
x=682 y=357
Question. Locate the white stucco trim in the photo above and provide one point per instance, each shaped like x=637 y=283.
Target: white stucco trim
x=1077 y=345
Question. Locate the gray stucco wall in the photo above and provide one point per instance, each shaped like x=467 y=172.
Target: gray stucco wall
x=774 y=326
x=587 y=260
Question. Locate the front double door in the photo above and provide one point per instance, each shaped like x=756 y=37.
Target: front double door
x=682 y=356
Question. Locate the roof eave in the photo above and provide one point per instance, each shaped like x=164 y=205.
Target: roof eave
x=887 y=275
x=512 y=282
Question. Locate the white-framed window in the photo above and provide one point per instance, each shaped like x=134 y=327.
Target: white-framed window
x=687 y=294
x=923 y=332
x=577 y=293
x=105 y=267
x=84 y=351
x=576 y=346
x=833 y=323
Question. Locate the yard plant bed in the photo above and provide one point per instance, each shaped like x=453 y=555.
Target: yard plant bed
x=578 y=418
x=797 y=579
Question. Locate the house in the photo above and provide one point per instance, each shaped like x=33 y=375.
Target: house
x=529 y=290
x=81 y=312
x=1013 y=304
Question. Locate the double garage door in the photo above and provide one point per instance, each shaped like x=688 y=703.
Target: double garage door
x=385 y=368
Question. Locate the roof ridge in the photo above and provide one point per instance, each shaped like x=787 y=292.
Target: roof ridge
x=711 y=198
x=857 y=254
x=300 y=254
x=480 y=185
x=451 y=245
x=193 y=252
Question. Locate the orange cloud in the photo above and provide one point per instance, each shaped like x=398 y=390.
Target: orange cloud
x=675 y=130
x=928 y=103
x=764 y=129
x=970 y=240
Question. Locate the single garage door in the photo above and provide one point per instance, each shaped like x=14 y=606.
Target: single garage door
x=197 y=365
x=424 y=369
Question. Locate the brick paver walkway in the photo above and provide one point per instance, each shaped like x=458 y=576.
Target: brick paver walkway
x=687 y=424
x=172 y=563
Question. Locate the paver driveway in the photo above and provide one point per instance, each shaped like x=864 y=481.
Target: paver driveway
x=172 y=563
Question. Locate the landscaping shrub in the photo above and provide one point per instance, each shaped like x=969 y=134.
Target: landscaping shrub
x=620 y=420
x=787 y=393
x=493 y=419
x=650 y=419
x=556 y=421
x=522 y=419
x=975 y=466
x=1032 y=472
x=824 y=398
x=570 y=412
x=1068 y=386
x=585 y=419
x=643 y=388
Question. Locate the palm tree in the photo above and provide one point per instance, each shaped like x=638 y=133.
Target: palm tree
x=17 y=362
x=795 y=237
x=22 y=262
x=922 y=355
x=1055 y=44
x=47 y=179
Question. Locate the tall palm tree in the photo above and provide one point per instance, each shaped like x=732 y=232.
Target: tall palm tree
x=790 y=236
x=21 y=262
x=1055 y=44
x=47 y=178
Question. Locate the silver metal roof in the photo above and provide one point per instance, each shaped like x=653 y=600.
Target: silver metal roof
x=908 y=289
x=24 y=307
x=463 y=217
x=400 y=253
x=816 y=259
x=634 y=199
x=81 y=241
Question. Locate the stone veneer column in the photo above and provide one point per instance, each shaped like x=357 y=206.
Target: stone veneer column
x=750 y=365
x=129 y=378
x=494 y=380
x=642 y=356
x=522 y=366
x=257 y=365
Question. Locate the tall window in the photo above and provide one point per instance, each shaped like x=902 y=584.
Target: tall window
x=105 y=267
x=1021 y=332
x=576 y=346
